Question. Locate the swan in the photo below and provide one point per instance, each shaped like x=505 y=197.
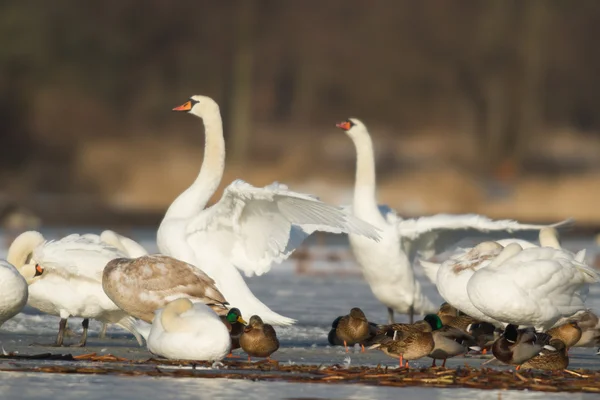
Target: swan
x=65 y=279
x=13 y=291
x=540 y=286
x=128 y=246
x=142 y=285
x=249 y=228
x=387 y=264
x=183 y=330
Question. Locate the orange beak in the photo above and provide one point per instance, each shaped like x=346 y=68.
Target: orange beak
x=184 y=107
x=38 y=270
x=344 y=125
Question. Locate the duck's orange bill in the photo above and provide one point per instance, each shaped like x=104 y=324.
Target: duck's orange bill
x=344 y=125
x=184 y=107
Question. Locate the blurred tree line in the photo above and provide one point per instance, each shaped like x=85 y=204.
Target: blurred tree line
x=499 y=72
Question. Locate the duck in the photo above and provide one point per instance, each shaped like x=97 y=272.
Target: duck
x=64 y=279
x=334 y=340
x=353 y=328
x=515 y=346
x=484 y=334
x=184 y=330
x=259 y=339
x=589 y=324
x=550 y=360
x=448 y=342
x=387 y=264
x=541 y=287
x=407 y=343
x=568 y=333
x=13 y=291
x=142 y=285
x=447 y=312
x=248 y=228
x=235 y=325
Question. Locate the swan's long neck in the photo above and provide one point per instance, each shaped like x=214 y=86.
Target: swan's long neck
x=365 y=203
x=22 y=248
x=194 y=199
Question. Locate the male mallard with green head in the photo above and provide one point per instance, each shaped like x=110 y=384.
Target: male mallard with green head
x=515 y=346
x=259 y=339
x=235 y=325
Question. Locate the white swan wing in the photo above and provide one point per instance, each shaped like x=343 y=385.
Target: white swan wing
x=123 y=243
x=76 y=256
x=432 y=234
x=259 y=226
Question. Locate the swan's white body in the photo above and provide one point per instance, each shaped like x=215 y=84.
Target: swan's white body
x=248 y=228
x=387 y=264
x=539 y=286
x=128 y=246
x=13 y=291
x=71 y=282
x=187 y=331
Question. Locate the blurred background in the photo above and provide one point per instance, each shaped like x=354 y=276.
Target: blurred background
x=490 y=106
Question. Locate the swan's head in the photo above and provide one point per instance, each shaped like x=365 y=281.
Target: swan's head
x=199 y=105
x=32 y=272
x=21 y=249
x=353 y=127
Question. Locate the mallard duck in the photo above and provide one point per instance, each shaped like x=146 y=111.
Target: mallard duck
x=447 y=313
x=568 y=333
x=235 y=325
x=484 y=334
x=515 y=346
x=259 y=339
x=448 y=342
x=183 y=330
x=407 y=345
x=424 y=325
x=353 y=328
x=549 y=359
x=590 y=329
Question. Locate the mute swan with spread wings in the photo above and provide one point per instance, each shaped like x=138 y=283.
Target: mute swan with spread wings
x=249 y=228
x=387 y=264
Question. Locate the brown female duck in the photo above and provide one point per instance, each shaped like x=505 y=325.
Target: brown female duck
x=259 y=339
x=353 y=328
x=550 y=360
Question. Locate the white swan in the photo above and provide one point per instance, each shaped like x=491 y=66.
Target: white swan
x=248 y=228
x=65 y=279
x=140 y=286
x=187 y=331
x=13 y=291
x=539 y=287
x=387 y=264
x=128 y=246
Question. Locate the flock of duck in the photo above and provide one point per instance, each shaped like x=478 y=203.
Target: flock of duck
x=522 y=300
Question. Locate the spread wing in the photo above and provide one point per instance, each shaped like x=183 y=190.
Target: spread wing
x=433 y=234
x=255 y=227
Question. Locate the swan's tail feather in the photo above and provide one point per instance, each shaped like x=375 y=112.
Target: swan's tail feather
x=430 y=269
x=130 y=323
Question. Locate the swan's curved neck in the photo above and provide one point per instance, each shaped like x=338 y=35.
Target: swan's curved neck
x=365 y=203
x=194 y=199
x=22 y=248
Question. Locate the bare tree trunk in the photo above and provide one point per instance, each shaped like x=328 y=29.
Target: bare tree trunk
x=241 y=91
x=533 y=73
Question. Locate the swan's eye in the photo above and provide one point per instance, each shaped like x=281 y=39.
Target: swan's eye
x=38 y=270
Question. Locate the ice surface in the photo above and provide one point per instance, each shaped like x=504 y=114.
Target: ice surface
x=314 y=300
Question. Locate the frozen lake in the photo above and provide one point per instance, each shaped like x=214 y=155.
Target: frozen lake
x=314 y=300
